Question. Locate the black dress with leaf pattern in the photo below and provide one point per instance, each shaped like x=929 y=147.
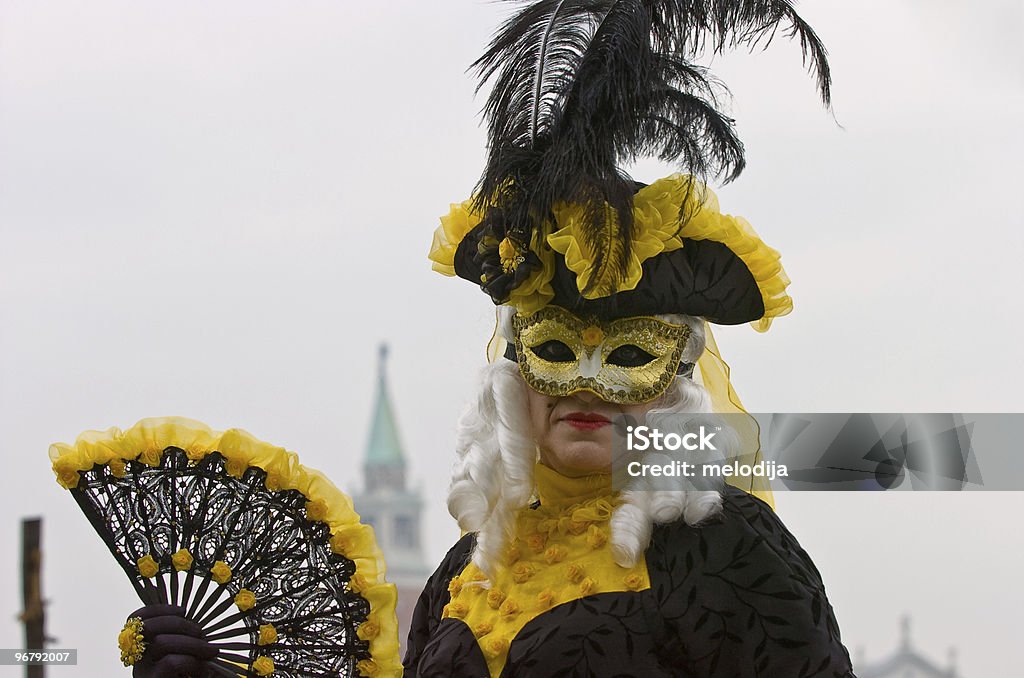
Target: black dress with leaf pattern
x=735 y=597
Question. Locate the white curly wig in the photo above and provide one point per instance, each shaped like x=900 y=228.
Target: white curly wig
x=492 y=479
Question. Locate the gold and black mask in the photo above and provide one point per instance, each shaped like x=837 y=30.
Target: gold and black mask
x=624 y=361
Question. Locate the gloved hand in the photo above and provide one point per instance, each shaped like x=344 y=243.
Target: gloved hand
x=176 y=647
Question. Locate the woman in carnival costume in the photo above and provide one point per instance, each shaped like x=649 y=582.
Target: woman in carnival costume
x=605 y=289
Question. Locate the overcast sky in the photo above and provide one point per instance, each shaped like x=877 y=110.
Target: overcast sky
x=218 y=210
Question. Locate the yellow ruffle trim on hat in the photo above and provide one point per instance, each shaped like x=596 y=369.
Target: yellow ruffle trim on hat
x=656 y=224
x=460 y=220
x=736 y=233
x=653 y=234
x=536 y=292
x=528 y=297
x=656 y=230
x=146 y=442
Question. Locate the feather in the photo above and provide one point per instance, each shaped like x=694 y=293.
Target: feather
x=581 y=87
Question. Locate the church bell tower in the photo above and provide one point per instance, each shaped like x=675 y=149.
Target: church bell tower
x=389 y=506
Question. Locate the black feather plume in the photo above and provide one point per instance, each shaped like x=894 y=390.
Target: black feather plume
x=581 y=87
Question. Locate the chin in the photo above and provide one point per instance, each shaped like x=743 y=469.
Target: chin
x=585 y=456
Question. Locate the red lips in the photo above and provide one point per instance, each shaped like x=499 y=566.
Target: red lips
x=586 y=421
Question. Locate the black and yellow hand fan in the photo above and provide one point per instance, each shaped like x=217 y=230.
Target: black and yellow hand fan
x=267 y=556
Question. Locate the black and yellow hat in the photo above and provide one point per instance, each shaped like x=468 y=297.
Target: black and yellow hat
x=581 y=88
x=714 y=265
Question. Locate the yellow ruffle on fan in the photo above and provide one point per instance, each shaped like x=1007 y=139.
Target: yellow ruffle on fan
x=146 y=442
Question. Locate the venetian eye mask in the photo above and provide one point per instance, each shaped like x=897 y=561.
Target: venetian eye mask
x=625 y=361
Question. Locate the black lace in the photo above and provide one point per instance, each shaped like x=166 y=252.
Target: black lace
x=301 y=586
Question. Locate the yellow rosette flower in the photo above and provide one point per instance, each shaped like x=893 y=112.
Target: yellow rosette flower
x=368 y=630
x=117 y=468
x=574 y=573
x=367 y=667
x=495 y=598
x=633 y=581
x=267 y=635
x=537 y=541
x=151 y=456
x=555 y=554
x=148 y=567
x=596 y=537
x=67 y=472
x=130 y=641
x=182 y=560
x=358 y=583
x=495 y=647
x=245 y=600
x=522 y=572
x=509 y=608
x=349 y=540
x=316 y=511
x=220 y=572
x=263 y=666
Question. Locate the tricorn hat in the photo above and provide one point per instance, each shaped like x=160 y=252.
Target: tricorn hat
x=581 y=88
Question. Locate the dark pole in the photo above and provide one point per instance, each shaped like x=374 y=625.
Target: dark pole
x=33 y=616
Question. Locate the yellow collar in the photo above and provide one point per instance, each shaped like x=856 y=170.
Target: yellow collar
x=556 y=491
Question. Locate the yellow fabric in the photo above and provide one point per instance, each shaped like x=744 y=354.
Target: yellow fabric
x=559 y=552
x=656 y=226
x=713 y=374
x=536 y=292
x=530 y=296
x=460 y=220
x=706 y=222
x=147 y=440
x=656 y=230
x=652 y=235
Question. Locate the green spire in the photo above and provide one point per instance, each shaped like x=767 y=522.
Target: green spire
x=383 y=448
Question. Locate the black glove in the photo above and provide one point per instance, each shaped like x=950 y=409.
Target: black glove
x=176 y=647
